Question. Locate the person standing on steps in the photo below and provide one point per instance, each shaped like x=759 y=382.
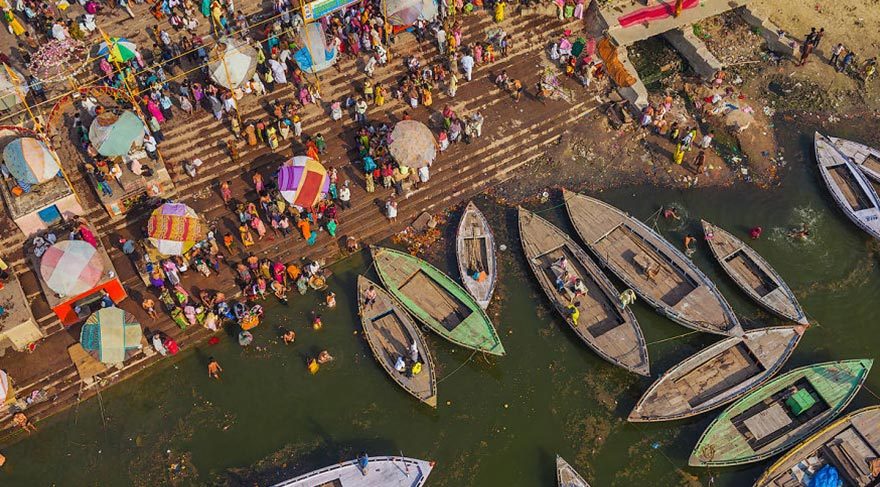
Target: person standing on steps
x=345 y=196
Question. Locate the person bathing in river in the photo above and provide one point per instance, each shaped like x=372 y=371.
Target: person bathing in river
x=800 y=234
x=756 y=232
x=214 y=369
x=671 y=212
x=688 y=240
x=289 y=336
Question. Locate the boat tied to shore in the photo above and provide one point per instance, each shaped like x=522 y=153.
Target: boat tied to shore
x=377 y=472
x=475 y=250
x=652 y=267
x=847 y=450
x=865 y=157
x=582 y=295
x=717 y=375
x=397 y=343
x=567 y=476
x=780 y=413
x=753 y=274
x=849 y=187
x=436 y=300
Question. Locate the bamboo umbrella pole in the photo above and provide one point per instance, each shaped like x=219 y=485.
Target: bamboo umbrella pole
x=128 y=91
x=38 y=127
x=229 y=80
x=302 y=6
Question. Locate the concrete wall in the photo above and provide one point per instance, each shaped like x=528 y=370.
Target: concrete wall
x=636 y=94
x=783 y=45
x=692 y=48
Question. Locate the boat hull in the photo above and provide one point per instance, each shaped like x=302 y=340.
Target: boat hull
x=779 y=414
x=475 y=247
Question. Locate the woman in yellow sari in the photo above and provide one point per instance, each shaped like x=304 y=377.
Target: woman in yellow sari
x=499 y=11
x=379 y=95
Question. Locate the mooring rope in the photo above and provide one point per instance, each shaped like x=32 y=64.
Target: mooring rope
x=673 y=338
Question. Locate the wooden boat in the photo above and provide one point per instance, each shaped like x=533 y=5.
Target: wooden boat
x=780 y=413
x=390 y=333
x=380 y=472
x=717 y=375
x=475 y=249
x=851 y=445
x=850 y=188
x=657 y=271
x=603 y=324
x=753 y=274
x=436 y=300
x=866 y=158
x=567 y=476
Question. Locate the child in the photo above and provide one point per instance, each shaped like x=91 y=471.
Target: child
x=316 y=322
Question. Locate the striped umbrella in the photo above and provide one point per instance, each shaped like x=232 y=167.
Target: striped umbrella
x=30 y=161
x=110 y=333
x=119 y=50
x=412 y=144
x=174 y=228
x=302 y=181
x=71 y=267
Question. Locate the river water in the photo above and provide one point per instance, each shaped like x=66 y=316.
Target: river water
x=500 y=421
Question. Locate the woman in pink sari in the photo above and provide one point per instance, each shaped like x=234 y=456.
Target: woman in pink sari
x=258 y=225
x=106 y=67
x=154 y=110
x=88 y=236
x=304 y=96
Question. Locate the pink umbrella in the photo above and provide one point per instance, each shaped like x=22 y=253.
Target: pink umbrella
x=71 y=267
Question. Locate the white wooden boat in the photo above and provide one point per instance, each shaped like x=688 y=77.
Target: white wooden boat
x=753 y=274
x=390 y=332
x=475 y=249
x=850 y=188
x=865 y=157
x=380 y=472
x=651 y=266
x=607 y=327
x=717 y=375
x=567 y=476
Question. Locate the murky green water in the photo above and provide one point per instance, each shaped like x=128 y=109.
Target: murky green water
x=500 y=421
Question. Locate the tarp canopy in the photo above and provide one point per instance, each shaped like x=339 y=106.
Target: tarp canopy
x=615 y=68
x=241 y=62
x=174 y=228
x=110 y=333
x=119 y=50
x=30 y=161
x=113 y=135
x=71 y=267
x=302 y=181
x=318 y=57
x=406 y=12
x=412 y=144
x=8 y=94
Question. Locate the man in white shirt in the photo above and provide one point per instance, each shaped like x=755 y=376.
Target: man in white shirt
x=441 y=40
x=345 y=196
x=467 y=64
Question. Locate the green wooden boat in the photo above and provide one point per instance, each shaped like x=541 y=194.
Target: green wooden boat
x=436 y=300
x=779 y=414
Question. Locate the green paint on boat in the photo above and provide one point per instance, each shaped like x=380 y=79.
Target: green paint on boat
x=766 y=423
x=427 y=293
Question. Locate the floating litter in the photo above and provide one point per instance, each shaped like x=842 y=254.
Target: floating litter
x=502 y=247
